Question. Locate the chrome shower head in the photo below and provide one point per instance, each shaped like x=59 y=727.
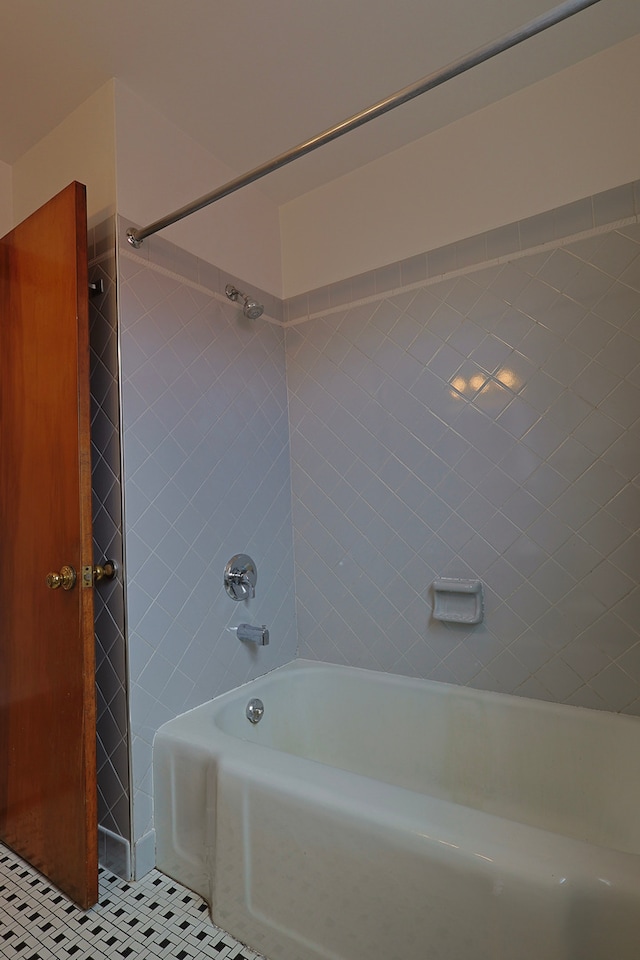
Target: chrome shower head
x=251 y=309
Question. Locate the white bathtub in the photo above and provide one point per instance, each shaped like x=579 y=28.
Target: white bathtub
x=370 y=816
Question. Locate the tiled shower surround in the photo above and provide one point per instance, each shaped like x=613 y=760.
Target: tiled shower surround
x=484 y=424
x=472 y=412
x=206 y=476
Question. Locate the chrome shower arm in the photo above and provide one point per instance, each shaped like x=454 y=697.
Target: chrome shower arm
x=473 y=59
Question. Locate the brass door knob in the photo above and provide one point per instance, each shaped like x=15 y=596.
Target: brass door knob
x=105 y=571
x=65 y=579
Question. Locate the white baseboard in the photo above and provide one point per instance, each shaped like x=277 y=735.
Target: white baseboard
x=114 y=853
x=144 y=855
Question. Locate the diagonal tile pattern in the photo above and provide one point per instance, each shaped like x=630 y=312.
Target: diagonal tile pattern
x=207 y=475
x=485 y=425
x=112 y=710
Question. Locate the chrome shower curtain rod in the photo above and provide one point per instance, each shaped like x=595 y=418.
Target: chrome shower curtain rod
x=531 y=29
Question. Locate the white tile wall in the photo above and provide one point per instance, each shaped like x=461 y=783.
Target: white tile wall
x=482 y=425
x=206 y=476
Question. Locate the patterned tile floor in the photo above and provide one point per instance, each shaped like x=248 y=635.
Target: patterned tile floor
x=154 y=917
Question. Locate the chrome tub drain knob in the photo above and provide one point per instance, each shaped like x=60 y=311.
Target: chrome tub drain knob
x=255 y=710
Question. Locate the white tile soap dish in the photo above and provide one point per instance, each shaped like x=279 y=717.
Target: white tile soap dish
x=458 y=601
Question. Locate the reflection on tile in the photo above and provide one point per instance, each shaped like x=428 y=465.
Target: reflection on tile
x=509 y=453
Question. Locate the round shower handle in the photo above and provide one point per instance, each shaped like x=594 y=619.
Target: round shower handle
x=240 y=577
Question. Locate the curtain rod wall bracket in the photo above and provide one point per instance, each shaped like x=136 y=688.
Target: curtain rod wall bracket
x=562 y=12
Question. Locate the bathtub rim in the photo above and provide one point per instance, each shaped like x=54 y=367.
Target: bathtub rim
x=301 y=665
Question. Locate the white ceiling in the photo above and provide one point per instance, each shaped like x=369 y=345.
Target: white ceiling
x=249 y=79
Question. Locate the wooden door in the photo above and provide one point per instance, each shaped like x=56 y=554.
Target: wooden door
x=48 y=805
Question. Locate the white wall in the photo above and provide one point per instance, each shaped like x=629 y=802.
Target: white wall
x=567 y=137
x=81 y=148
x=134 y=160
x=6 y=201
x=161 y=169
